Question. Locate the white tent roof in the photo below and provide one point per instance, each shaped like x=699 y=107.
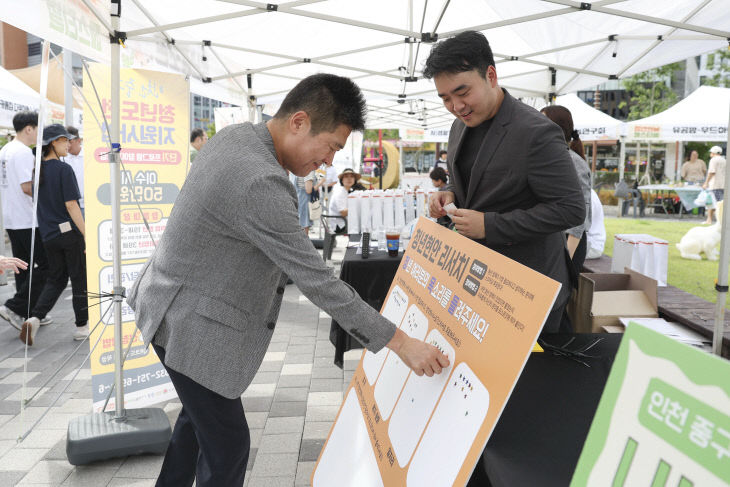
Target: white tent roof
x=590 y=123
x=541 y=47
x=702 y=116
x=16 y=96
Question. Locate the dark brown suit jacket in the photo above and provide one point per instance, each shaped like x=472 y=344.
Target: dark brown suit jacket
x=525 y=184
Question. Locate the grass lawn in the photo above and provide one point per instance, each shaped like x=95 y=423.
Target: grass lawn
x=695 y=277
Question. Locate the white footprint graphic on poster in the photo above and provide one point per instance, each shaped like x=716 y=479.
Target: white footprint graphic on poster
x=416 y=403
x=454 y=425
x=348 y=459
x=395 y=308
x=395 y=372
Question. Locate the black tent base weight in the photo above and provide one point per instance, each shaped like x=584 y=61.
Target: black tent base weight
x=100 y=436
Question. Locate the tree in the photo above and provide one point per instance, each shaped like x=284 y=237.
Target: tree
x=388 y=134
x=650 y=91
x=719 y=61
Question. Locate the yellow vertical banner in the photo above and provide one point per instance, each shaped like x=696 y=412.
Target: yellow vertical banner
x=154 y=139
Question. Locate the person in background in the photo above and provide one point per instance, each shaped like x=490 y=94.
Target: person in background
x=330 y=181
x=715 y=178
x=576 y=236
x=198 y=138
x=349 y=182
x=16 y=189
x=694 y=170
x=75 y=159
x=62 y=230
x=438 y=178
x=597 y=231
x=304 y=185
x=441 y=161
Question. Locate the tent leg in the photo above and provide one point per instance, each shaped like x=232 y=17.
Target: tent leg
x=722 y=273
x=125 y=432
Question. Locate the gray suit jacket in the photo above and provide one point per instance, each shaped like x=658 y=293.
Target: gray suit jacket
x=211 y=292
x=525 y=184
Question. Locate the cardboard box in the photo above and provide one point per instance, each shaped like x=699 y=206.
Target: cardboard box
x=602 y=299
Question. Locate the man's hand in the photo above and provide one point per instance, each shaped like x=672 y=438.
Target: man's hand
x=437 y=201
x=12 y=264
x=419 y=356
x=469 y=223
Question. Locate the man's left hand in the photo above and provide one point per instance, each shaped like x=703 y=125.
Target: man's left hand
x=469 y=223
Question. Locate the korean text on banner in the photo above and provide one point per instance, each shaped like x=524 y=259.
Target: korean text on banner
x=484 y=311
x=663 y=418
x=154 y=139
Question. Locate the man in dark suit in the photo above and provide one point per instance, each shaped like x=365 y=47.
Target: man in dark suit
x=511 y=174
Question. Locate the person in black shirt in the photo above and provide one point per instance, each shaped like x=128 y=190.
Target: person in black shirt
x=62 y=231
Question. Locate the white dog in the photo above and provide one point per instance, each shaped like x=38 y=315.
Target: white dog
x=702 y=239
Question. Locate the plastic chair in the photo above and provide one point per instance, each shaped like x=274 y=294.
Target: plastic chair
x=329 y=243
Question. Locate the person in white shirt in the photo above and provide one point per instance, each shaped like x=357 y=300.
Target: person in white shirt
x=75 y=159
x=330 y=180
x=597 y=231
x=16 y=188
x=441 y=161
x=338 y=202
x=715 y=179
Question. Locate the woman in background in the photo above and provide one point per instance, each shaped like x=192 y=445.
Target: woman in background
x=577 y=235
x=62 y=230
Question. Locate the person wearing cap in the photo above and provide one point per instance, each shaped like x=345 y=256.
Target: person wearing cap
x=349 y=182
x=62 y=231
x=715 y=181
x=16 y=190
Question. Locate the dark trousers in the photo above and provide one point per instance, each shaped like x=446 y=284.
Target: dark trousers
x=66 y=259
x=20 y=242
x=210 y=442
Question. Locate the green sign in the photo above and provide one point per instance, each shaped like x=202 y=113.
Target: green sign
x=663 y=419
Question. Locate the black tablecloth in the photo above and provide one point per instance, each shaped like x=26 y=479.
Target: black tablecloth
x=371 y=278
x=541 y=432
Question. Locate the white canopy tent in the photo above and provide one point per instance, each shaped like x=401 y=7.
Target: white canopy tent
x=236 y=49
x=249 y=52
x=702 y=116
x=15 y=96
x=591 y=124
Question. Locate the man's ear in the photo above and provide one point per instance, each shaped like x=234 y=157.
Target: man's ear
x=299 y=122
x=492 y=76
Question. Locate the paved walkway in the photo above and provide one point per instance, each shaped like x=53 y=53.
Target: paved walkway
x=290 y=406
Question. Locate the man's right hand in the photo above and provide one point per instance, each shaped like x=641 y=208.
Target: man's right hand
x=437 y=201
x=419 y=356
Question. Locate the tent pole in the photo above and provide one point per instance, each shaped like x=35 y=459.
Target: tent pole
x=676 y=161
x=722 y=273
x=621 y=158
x=68 y=88
x=115 y=176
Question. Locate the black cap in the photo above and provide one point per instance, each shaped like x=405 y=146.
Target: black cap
x=55 y=131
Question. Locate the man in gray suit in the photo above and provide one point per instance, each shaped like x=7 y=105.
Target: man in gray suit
x=209 y=296
x=511 y=175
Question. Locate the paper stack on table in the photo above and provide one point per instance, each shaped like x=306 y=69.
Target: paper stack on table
x=673 y=330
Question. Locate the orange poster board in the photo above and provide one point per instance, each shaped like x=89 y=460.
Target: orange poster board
x=485 y=312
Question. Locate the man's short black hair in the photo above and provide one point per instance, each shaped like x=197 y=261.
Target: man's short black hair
x=463 y=52
x=437 y=174
x=329 y=100
x=195 y=134
x=443 y=152
x=24 y=119
x=72 y=130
